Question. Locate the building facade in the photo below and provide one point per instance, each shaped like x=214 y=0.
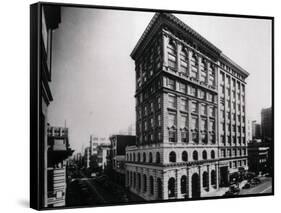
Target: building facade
x=258 y=156
x=58 y=152
x=117 y=156
x=266 y=124
x=181 y=115
x=50 y=20
x=256 y=130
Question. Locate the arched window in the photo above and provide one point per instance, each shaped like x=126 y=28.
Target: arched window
x=184 y=156
x=157 y=157
x=160 y=188
x=183 y=184
x=151 y=184
x=195 y=155
x=138 y=157
x=213 y=155
x=213 y=178
x=172 y=55
x=144 y=183
x=171 y=187
x=204 y=155
x=134 y=157
x=206 y=180
x=144 y=157
x=172 y=156
x=150 y=157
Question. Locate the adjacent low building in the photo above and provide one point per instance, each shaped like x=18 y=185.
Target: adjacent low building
x=58 y=152
x=118 y=152
x=258 y=157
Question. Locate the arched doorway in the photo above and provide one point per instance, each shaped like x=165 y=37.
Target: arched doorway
x=171 y=188
x=195 y=186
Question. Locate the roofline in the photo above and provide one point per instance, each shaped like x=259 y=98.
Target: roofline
x=234 y=64
x=189 y=30
x=180 y=23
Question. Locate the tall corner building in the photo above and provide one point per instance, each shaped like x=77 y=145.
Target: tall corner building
x=190 y=114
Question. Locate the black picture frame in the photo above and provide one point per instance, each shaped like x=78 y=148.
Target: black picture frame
x=37 y=149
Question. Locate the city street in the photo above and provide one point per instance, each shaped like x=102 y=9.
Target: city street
x=93 y=191
x=264 y=187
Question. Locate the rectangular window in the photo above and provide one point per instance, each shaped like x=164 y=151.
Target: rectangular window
x=172 y=54
x=184 y=121
x=183 y=88
x=184 y=104
x=212 y=111
x=172 y=120
x=192 y=91
x=204 y=109
x=194 y=123
x=171 y=83
x=194 y=107
x=172 y=135
x=204 y=124
x=212 y=125
x=172 y=103
x=184 y=136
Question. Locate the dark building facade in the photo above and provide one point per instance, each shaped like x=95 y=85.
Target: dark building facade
x=259 y=157
x=266 y=124
x=185 y=148
x=118 y=150
x=256 y=130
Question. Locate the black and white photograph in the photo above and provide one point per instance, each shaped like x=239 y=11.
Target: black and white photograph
x=135 y=106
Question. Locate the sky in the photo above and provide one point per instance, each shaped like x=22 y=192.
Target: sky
x=93 y=78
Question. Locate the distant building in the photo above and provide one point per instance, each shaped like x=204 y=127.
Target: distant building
x=256 y=130
x=266 y=124
x=58 y=152
x=258 y=156
x=118 y=151
x=103 y=155
x=249 y=131
x=87 y=157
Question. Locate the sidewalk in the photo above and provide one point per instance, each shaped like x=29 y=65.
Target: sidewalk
x=220 y=192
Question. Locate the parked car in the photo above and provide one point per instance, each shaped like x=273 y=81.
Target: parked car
x=246 y=186
x=255 y=181
x=234 y=189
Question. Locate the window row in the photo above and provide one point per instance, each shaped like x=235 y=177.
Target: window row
x=186 y=104
x=144 y=183
x=233 y=152
x=190 y=90
x=194 y=122
x=235 y=140
x=236 y=164
x=184 y=156
x=188 y=64
x=143 y=157
x=184 y=136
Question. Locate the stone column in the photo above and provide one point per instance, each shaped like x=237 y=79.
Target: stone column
x=200 y=180
x=209 y=177
x=217 y=176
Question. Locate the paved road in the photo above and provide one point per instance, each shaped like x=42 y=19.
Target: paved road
x=264 y=187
